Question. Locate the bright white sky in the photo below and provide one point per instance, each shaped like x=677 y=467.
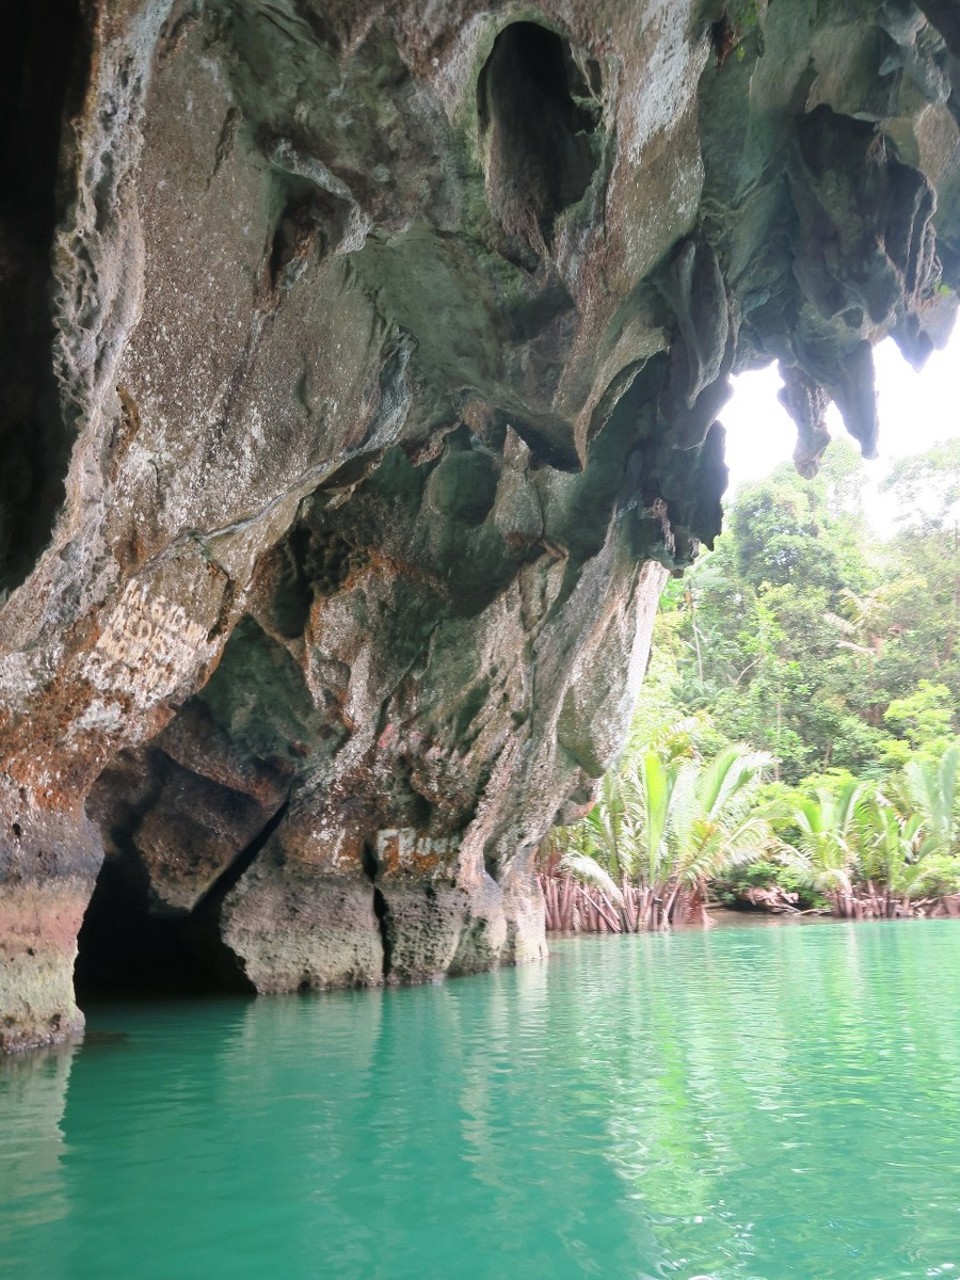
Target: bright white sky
x=916 y=410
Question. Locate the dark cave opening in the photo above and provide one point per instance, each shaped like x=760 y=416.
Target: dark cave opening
x=126 y=950
x=538 y=116
x=38 y=78
x=132 y=943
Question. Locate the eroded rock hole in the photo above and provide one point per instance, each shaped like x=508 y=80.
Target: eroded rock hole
x=309 y=222
x=315 y=560
x=38 y=57
x=538 y=117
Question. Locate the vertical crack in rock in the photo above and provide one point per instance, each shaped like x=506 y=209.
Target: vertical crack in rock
x=381 y=909
x=241 y=863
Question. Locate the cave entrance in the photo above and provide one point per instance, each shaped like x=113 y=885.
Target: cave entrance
x=126 y=950
x=184 y=817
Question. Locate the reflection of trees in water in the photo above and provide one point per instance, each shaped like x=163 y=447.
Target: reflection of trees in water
x=753 y=1077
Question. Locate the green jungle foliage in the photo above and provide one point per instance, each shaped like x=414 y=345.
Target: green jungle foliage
x=836 y=656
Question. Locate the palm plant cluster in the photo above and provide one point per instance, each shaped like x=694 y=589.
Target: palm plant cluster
x=880 y=850
x=662 y=830
x=668 y=829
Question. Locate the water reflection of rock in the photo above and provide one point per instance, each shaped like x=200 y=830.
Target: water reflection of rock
x=33 y=1094
x=320 y=1084
x=403 y=1110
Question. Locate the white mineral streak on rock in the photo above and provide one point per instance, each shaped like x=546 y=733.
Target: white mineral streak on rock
x=146 y=648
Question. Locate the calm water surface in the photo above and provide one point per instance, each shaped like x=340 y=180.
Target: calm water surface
x=749 y=1103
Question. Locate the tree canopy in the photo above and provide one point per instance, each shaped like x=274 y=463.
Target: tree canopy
x=810 y=638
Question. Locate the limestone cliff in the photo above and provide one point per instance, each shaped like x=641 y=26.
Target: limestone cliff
x=359 y=382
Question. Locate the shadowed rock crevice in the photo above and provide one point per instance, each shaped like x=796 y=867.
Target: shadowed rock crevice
x=296 y=235
x=38 y=66
x=944 y=16
x=380 y=908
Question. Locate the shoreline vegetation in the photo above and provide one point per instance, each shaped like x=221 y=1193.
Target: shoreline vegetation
x=836 y=655
x=668 y=839
x=573 y=907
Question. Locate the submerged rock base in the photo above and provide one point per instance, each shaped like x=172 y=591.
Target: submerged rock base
x=367 y=392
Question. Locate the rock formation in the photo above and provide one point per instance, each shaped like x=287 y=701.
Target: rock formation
x=360 y=368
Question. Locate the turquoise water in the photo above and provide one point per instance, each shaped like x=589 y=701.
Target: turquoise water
x=751 y=1103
